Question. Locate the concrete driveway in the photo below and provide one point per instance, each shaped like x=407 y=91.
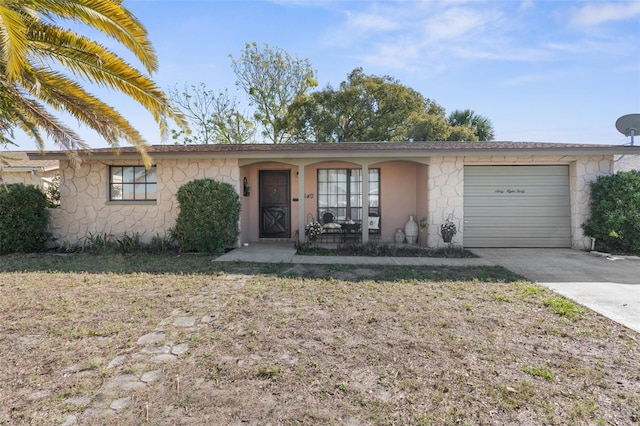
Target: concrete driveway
x=609 y=285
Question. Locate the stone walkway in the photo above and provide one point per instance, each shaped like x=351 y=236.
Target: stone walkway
x=167 y=343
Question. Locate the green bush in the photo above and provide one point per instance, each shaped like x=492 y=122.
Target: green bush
x=615 y=213
x=53 y=193
x=23 y=219
x=208 y=218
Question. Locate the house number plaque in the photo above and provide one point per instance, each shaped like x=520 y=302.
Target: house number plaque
x=510 y=191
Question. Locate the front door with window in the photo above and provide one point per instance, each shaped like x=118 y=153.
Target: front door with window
x=275 y=205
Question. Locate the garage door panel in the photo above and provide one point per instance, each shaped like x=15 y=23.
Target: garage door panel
x=517 y=171
x=556 y=200
x=515 y=181
x=522 y=212
x=559 y=242
x=509 y=222
x=513 y=190
x=531 y=231
x=517 y=206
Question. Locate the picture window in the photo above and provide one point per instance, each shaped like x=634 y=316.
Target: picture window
x=340 y=193
x=132 y=183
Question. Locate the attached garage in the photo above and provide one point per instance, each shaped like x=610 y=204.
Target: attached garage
x=517 y=206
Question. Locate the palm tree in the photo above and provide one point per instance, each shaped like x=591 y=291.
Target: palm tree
x=480 y=125
x=40 y=63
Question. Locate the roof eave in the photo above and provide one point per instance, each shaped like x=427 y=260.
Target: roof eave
x=355 y=152
x=22 y=169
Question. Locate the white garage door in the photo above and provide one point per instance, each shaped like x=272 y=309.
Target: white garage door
x=517 y=206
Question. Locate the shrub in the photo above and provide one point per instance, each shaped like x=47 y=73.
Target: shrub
x=161 y=244
x=52 y=192
x=23 y=219
x=104 y=243
x=615 y=213
x=208 y=218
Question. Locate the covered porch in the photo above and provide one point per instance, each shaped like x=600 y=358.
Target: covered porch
x=280 y=198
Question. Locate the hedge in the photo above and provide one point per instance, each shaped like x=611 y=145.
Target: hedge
x=23 y=219
x=615 y=213
x=208 y=217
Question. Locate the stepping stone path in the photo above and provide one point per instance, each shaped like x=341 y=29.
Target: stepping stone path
x=149 y=353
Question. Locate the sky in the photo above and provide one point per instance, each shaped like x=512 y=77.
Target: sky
x=541 y=71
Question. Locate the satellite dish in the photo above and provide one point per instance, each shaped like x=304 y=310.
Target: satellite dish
x=629 y=125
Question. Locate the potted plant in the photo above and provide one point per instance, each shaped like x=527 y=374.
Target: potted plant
x=448 y=230
x=312 y=230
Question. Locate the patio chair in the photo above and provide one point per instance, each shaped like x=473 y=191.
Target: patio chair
x=331 y=231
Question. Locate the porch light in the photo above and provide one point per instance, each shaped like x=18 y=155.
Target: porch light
x=246 y=189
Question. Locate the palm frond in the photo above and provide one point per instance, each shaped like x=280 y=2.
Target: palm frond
x=62 y=93
x=30 y=116
x=13 y=41
x=91 y=61
x=108 y=17
x=32 y=45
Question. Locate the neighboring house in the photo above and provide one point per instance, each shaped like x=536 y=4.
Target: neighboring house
x=18 y=167
x=626 y=163
x=499 y=194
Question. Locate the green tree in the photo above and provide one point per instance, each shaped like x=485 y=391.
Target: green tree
x=480 y=126
x=429 y=125
x=315 y=117
x=365 y=108
x=272 y=80
x=462 y=133
x=213 y=118
x=40 y=63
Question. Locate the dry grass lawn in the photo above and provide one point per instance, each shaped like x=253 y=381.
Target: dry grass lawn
x=305 y=345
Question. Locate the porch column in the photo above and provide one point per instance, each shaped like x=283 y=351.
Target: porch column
x=365 y=203
x=301 y=216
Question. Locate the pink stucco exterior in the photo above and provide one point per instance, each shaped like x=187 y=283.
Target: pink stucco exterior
x=403 y=192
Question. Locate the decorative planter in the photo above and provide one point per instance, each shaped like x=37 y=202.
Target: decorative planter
x=411 y=230
x=448 y=229
x=399 y=236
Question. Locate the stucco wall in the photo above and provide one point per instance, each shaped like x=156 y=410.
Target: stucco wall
x=403 y=193
x=398 y=192
x=85 y=208
x=398 y=196
x=250 y=215
x=27 y=177
x=446 y=187
x=626 y=163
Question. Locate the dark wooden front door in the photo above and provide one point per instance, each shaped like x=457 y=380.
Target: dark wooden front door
x=275 y=204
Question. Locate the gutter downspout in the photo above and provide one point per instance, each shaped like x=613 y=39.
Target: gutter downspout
x=34 y=173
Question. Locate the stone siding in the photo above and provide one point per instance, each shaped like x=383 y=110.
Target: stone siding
x=85 y=208
x=446 y=189
x=582 y=172
x=626 y=163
